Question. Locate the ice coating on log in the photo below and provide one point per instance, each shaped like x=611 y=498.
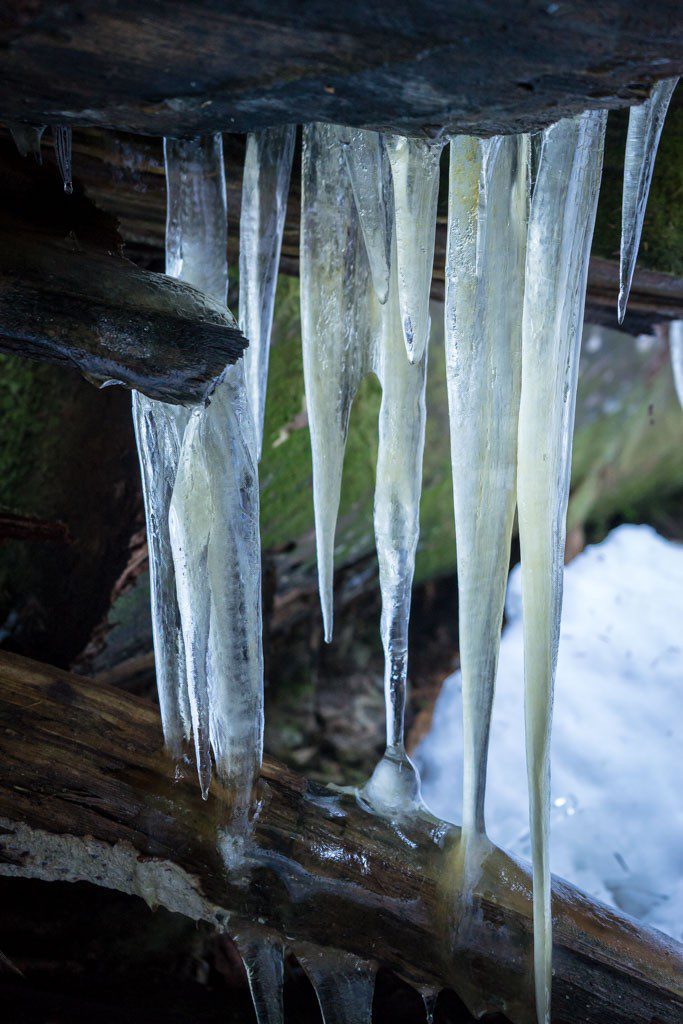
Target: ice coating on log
x=676 y=349
x=263 y=959
x=62 y=141
x=645 y=125
x=561 y=222
x=214 y=513
x=267 y=167
x=27 y=139
x=336 y=319
x=487 y=224
x=343 y=984
x=370 y=176
x=415 y=175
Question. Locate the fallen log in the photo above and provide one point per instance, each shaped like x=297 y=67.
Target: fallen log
x=87 y=793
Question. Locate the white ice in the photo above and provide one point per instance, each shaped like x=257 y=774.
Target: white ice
x=676 y=349
x=487 y=226
x=415 y=175
x=617 y=745
x=561 y=222
x=267 y=167
x=645 y=125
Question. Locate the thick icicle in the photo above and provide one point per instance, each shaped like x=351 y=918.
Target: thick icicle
x=27 y=139
x=263 y=958
x=343 y=984
x=676 y=349
x=561 y=221
x=645 y=125
x=267 y=167
x=62 y=141
x=487 y=224
x=337 y=326
x=415 y=174
x=214 y=510
x=370 y=176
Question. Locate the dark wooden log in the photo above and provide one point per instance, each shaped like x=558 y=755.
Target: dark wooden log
x=181 y=67
x=86 y=793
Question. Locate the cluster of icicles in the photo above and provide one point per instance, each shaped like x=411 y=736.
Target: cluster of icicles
x=521 y=212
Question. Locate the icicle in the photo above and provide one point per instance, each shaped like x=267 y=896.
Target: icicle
x=336 y=328
x=62 y=140
x=561 y=222
x=263 y=958
x=429 y=998
x=27 y=138
x=370 y=176
x=676 y=348
x=487 y=222
x=343 y=984
x=214 y=510
x=415 y=174
x=645 y=125
x=267 y=167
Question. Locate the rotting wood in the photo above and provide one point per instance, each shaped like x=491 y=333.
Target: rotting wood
x=186 y=67
x=86 y=793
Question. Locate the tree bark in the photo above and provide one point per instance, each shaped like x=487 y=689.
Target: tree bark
x=87 y=793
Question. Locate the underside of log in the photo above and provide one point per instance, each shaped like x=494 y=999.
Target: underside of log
x=87 y=794
x=187 y=67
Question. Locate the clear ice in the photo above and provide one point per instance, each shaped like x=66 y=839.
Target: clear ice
x=645 y=125
x=676 y=350
x=415 y=176
x=347 y=332
x=263 y=958
x=267 y=167
x=487 y=227
x=27 y=139
x=370 y=176
x=62 y=140
x=561 y=221
x=343 y=984
x=214 y=512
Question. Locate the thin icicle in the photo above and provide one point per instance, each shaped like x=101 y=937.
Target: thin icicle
x=561 y=222
x=267 y=168
x=214 y=510
x=370 y=176
x=676 y=349
x=263 y=958
x=336 y=328
x=343 y=984
x=415 y=174
x=487 y=224
x=62 y=140
x=645 y=125
x=27 y=139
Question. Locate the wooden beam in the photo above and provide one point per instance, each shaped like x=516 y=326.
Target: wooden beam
x=87 y=793
x=189 y=67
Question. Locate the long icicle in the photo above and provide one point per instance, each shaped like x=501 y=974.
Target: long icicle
x=343 y=984
x=487 y=225
x=645 y=125
x=214 y=522
x=415 y=175
x=561 y=222
x=336 y=328
x=267 y=168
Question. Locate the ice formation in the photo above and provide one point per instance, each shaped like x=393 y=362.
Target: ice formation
x=267 y=167
x=561 y=221
x=415 y=175
x=343 y=984
x=62 y=140
x=644 y=131
x=263 y=958
x=27 y=139
x=370 y=176
x=347 y=332
x=487 y=226
x=676 y=349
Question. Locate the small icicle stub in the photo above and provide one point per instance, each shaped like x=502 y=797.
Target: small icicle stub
x=487 y=228
x=267 y=168
x=61 y=135
x=27 y=138
x=676 y=351
x=645 y=125
x=415 y=175
x=561 y=222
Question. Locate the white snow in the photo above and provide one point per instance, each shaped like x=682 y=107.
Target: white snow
x=617 y=814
